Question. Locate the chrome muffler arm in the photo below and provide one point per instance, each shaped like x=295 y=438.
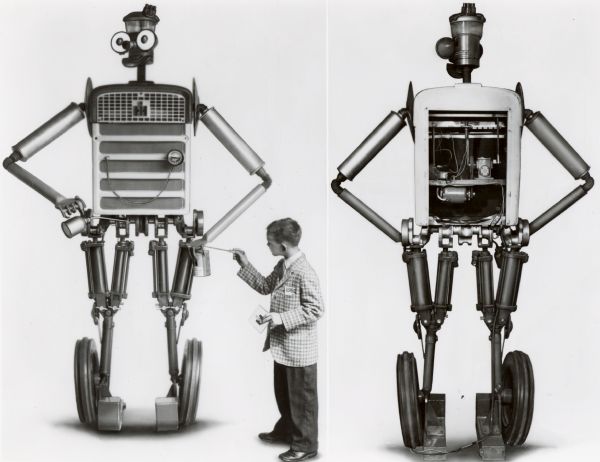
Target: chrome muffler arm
x=244 y=154
x=569 y=159
x=35 y=142
x=359 y=159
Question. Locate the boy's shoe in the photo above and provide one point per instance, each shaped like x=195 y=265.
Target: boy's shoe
x=272 y=437
x=296 y=456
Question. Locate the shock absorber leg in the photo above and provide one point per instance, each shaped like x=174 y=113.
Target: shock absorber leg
x=172 y=348
x=431 y=316
x=418 y=279
x=489 y=435
x=511 y=265
x=184 y=273
x=106 y=353
x=484 y=270
x=160 y=269
x=447 y=261
x=109 y=408
x=166 y=407
x=96 y=271
x=180 y=292
x=421 y=303
x=118 y=290
x=496 y=315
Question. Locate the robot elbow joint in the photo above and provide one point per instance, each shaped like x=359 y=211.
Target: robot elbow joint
x=14 y=157
x=589 y=182
x=7 y=162
x=267 y=181
x=336 y=185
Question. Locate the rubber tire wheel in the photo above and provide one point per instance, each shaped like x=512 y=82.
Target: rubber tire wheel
x=411 y=411
x=189 y=389
x=86 y=367
x=517 y=375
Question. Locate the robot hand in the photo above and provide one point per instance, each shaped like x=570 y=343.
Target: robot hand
x=71 y=206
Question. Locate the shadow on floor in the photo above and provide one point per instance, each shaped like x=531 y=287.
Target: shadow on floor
x=470 y=453
x=138 y=423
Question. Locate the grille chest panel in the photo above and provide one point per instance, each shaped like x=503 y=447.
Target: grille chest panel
x=134 y=126
x=134 y=106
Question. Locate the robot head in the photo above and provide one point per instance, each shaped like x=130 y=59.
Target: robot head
x=463 y=49
x=138 y=39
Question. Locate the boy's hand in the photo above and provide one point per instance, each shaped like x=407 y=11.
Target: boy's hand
x=274 y=318
x=240 y=256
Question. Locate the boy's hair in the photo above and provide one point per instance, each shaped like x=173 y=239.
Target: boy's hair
x=285 y=230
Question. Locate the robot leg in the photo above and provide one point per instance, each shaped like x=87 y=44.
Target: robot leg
x=504 y=415
x=92 y=376
x=180 y=405
x=188 y=263
x=422 y=414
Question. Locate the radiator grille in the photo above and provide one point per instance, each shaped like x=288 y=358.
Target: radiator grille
x=149 y=107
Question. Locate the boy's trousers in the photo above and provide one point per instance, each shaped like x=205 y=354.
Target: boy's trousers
x=296 y=395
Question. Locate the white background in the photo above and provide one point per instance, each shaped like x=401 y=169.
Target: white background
x=270 y=68
x=262 y=65
x=374 y=51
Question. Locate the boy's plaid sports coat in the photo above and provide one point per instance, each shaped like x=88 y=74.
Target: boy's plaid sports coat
x=296 y=296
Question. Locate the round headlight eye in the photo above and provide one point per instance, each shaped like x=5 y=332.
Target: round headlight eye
x=146 y=40
x=120 y=42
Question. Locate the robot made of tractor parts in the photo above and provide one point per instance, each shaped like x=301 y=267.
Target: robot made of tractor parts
x=141 y=154
x=467 y=171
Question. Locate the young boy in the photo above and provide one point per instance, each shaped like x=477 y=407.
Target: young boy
x=296 y=305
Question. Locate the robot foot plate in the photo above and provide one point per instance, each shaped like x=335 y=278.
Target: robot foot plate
x=489 y=437
x=110 y=414
x=434 y=444
x=167 y=414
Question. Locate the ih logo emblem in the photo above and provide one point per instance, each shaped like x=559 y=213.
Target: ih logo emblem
x=141 y=108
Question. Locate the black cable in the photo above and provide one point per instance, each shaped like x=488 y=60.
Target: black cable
x=452 y=451
x=140 y=202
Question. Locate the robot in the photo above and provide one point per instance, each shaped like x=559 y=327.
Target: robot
x=467 y=141
x=141 y=154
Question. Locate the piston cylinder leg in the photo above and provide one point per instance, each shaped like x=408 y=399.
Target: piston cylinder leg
x=420 y=294
x=96 y=271
x=418 y=279
x=429 y=359
x=118 y=291
x=484 y=271
x=496 y=355
x=184 y=274
x=160 y=269
x=172 y=344
x=510 y=278
x=511 y=265
x=447 y=261
x=106 y=352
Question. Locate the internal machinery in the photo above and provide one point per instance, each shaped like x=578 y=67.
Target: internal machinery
x=141 y=156
x=467 y=175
